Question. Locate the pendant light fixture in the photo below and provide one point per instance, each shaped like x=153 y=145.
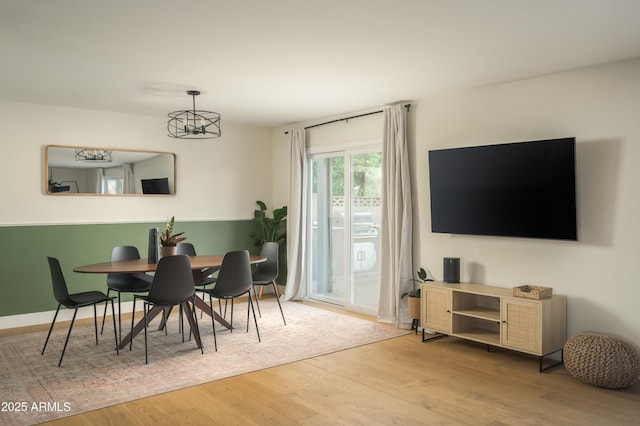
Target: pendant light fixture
x=193 y=123
x=94 y=155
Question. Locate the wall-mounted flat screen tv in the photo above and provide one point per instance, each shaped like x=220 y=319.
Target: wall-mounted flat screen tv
x=524 y=189
x=155 y=186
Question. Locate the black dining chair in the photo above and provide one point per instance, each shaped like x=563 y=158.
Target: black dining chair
x=125 y=283
x=172 y=286
x=75 y=301
x=234 y=280
x=266 y=274
x=189 y=250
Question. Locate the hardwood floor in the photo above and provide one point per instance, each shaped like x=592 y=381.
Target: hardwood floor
x=398 y=381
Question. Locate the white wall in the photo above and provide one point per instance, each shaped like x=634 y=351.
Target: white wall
x=600 y=106
x=217 y=179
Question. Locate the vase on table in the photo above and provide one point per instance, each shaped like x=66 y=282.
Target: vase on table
x=168 y=251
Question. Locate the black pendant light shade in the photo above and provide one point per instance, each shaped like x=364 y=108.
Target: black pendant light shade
x=194 y=124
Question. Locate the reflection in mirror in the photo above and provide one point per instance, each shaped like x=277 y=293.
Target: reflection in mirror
x=104 y=171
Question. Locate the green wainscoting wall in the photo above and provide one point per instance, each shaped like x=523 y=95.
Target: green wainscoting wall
x=25 y=283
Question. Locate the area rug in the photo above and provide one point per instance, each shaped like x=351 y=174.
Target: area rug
x=33 y=389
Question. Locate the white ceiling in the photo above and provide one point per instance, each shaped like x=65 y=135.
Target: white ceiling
x=272 y=62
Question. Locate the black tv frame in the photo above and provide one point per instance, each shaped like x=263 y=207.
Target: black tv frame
x=521 y=189
x=155 y=186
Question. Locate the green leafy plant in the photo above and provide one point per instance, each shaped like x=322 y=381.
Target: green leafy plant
x=422 y=278
x=269 y=229
x=168 y=238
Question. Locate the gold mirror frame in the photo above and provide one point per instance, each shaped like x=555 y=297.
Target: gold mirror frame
x=66 y=172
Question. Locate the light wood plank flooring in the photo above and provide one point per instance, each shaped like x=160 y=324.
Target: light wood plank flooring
x=399 y=381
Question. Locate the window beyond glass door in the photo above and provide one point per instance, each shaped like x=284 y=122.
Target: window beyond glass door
x=345 y=228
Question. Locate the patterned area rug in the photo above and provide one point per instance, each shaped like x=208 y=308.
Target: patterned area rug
x=33 y=389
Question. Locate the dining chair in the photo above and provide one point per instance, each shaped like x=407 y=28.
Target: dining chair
x=172 y=285
x=234 y=280
x=75 y=301
x=125 y=283
x=189 y=250
x=266 y=274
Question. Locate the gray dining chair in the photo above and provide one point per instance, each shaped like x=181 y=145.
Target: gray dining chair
x=266 y=274
x=75 y=301
x=172 y=286
x=234 y=280
x=125 y=283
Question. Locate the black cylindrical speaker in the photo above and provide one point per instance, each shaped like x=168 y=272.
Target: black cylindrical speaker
x=154 y=248
x=451 y=270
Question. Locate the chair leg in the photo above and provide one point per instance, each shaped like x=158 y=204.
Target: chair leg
x=104 y=314
x=255 y=293
x=249 y=304
x=50 y=329
x=220 y=308
x=95 y=322
x=113 y=315
x=254 y=320
x=146 y=356
x=133 y=314
x=278 y=300
x=68 y=334
x=181 y=324
x=275 y=288
x=119 y=318
x=225 y=305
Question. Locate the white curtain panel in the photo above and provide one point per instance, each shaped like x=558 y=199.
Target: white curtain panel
x=396 y=227
x=297 y=218
x=128 y=184
x=100 y=181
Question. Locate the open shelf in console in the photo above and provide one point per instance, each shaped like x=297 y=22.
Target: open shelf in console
x=480 y=330
x=476 y=317
x=476 y=305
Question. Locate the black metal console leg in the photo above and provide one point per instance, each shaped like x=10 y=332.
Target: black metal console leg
x=436 y=337
x=542 y=369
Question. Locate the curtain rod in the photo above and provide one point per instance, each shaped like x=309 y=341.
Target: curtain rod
x=407 y=106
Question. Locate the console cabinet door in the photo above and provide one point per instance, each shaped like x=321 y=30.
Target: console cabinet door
x=521 y=325
x=436 y=312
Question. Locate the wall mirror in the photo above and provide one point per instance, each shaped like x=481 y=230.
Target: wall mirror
x=73 y=170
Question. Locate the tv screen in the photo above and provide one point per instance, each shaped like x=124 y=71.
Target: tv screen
x=155 y=186
x=524 y=189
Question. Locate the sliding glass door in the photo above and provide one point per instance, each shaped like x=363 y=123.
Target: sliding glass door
x=345 y=228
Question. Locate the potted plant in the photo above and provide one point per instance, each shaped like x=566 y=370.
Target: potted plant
x=169 y=240
x=413 y=296
x=270 y=228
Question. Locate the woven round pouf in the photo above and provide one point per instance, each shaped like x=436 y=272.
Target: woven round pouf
x=603 y=361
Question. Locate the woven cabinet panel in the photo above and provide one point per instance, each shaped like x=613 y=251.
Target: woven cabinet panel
x=438 y=315
x=522 y=326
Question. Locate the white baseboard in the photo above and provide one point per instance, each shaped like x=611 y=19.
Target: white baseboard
x=38 y=318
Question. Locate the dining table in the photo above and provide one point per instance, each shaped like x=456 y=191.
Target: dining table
x=202 y=266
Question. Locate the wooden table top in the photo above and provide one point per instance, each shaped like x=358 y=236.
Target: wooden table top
x=142 y=265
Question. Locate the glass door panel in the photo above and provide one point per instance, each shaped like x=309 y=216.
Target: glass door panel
x=327 y=230
x=345 y=228
x=365 y=207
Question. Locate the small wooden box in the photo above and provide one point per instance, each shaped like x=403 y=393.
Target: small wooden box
x=532 y=292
